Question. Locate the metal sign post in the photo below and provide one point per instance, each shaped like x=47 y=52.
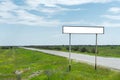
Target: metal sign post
x=82 y=30
x=96 y=54
x=69 y=52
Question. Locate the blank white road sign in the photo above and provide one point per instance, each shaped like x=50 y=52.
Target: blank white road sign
x=83 y=29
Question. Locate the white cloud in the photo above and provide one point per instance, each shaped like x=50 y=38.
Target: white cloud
x=114 y=9
x=26 y=18
x=110 y=24
x=113 y=17
x=18 y=15
x=112 y=13
x=77 y=2
x=57 y=9
x=7 y=6
x=5 y=9
x=11 y=13
x=52 y=6
x=33 y=3
x=53 y=3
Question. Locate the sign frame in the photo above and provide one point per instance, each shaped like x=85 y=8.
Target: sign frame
x=83 y=27
x=96 y=51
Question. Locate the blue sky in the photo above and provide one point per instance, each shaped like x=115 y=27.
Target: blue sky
x=39 y=22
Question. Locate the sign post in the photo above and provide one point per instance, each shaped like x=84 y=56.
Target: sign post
x=83 y=30
x=96 y=53
x=69 y=52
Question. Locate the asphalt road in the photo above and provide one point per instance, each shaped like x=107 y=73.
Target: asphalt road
x=113 y=63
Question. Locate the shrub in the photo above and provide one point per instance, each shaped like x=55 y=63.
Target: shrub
x=83 y=49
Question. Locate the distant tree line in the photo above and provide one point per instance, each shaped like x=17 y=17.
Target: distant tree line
x=7 y=47
x=75 y=48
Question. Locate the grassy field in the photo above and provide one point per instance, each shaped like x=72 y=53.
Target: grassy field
x=39 y=66
x=105 y=51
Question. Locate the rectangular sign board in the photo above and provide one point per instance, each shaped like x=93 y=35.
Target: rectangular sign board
x=83 y=29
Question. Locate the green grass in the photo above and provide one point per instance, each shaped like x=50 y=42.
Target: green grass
x=50 y=67
x=105 y=51
x=109 y=51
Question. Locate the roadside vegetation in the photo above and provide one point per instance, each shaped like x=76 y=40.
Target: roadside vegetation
x=106 y=51
x=35 y=65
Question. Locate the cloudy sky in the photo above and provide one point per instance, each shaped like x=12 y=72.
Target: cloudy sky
x=39 y=22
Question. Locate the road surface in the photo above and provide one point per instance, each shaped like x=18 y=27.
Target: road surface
x=113 y=63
